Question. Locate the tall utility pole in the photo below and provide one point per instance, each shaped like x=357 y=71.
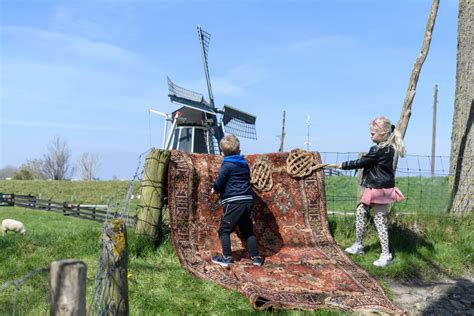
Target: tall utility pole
x=282 y=137
x=433 y=136
x=308 y=123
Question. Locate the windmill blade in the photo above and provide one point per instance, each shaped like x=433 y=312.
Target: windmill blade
x=204 y=40
x=239 y=123
x=232 y=113
x=188 y=98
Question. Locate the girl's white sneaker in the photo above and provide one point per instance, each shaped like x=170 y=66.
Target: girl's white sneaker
x=384 y=260
x=355 y=249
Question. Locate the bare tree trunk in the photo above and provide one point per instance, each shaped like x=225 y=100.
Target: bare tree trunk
x=462 y=138
x=411 y=91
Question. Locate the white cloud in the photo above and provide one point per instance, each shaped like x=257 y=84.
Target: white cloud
x=72 y=45
x=71 y=126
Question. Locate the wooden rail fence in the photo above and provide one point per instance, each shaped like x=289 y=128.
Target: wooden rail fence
x=91 y=212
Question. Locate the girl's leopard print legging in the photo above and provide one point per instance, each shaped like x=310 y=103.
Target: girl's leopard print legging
x=380 y=220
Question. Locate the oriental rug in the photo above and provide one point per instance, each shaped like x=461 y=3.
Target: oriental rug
x=304 y=267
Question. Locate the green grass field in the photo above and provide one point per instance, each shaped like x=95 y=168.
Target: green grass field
x=423 y=195
x=430 y=195
x=76 y=192
x=428 y=245
x=425 y=246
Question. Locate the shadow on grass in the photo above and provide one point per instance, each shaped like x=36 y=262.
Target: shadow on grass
x=404 y=240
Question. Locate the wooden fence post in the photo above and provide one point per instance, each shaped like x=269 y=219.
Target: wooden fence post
x=360 y=189
x=68 y=287
x=114 y=257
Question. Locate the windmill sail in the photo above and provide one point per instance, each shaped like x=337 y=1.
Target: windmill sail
x=239 y=123
x=204 y=40
x=188 y=98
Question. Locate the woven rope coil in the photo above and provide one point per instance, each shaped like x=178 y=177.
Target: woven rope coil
x=261 y=175
x=301 y=163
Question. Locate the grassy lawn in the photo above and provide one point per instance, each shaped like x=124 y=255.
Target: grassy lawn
x=428 y=245
x=77 y=192
x=157 y=284
x=424 y=246
x=422 y=194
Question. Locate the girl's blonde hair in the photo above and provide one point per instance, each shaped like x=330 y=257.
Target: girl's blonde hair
x=382 y=126
x=230 y=145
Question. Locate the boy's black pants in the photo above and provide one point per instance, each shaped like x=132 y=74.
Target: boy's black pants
x=238 y=214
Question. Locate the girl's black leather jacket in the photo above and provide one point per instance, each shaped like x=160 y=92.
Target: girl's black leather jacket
x=378 y=167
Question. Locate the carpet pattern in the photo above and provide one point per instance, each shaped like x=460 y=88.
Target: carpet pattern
x=304 y=267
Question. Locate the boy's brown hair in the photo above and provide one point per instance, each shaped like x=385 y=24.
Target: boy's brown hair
x=230 y=145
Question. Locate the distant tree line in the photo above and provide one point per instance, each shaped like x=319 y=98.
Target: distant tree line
x=55 y=165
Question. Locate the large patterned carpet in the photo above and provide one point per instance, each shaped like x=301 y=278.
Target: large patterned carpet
x=304 y=267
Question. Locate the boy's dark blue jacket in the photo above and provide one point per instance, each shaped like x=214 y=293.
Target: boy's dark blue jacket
x=233 y=180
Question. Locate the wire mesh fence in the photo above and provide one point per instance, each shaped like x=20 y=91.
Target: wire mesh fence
x=424 y=185
x=111 y=255
x=12 y=288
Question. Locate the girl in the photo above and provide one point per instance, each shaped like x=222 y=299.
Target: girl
x=378 y=179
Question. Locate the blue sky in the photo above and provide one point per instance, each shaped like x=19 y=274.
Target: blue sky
x=88 y=71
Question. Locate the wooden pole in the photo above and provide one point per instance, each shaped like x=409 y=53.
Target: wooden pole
x=360 y=189
x=282 y=137
x=433 y=135
x=114 y=257
x=411 y=91
x=68 y=287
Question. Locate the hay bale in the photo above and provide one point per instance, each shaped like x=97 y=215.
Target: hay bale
x=153 y=189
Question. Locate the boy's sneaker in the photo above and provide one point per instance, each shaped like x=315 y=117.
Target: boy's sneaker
x=355 y=249
x=221 y=260
x=384 y=260
x=257 y=261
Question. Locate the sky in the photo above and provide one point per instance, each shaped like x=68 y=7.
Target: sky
x=89 y=71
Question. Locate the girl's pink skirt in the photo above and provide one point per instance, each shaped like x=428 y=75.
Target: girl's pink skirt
x=381 y=196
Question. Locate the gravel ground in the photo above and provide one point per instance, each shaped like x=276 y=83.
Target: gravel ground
x=443 y=297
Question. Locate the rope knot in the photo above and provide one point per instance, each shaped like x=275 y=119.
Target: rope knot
x=301 y=163
x=261 y=174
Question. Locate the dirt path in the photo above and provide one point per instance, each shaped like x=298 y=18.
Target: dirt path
x=444 y=297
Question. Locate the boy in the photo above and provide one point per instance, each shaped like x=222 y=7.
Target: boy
x=233 y=184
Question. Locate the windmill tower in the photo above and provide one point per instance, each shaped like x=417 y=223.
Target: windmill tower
x=198 y=126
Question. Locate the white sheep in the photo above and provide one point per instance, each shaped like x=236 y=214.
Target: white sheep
x=13 y=225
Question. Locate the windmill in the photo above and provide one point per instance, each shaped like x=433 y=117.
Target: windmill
x=198 y=126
